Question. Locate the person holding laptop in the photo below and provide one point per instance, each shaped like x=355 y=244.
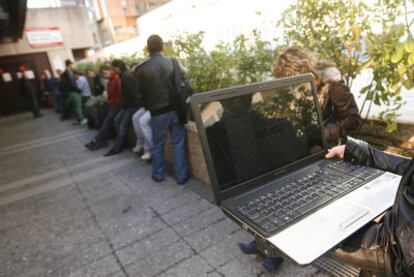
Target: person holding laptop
x=339 y=110
x=384 y=248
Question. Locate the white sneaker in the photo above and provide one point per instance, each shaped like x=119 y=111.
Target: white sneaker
x=84 y=121
x=137 y=149
x=146 y=157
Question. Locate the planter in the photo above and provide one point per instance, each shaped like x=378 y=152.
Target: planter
x=195 y=156
x=400 y=142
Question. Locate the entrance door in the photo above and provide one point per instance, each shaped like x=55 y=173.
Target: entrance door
x=11 y=101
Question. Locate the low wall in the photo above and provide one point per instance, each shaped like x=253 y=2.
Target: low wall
x=400 y=142
x=195 y=154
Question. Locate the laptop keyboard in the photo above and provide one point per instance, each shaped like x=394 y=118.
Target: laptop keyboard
x=297 y=195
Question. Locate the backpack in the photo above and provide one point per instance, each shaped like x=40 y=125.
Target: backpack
x=180 y=93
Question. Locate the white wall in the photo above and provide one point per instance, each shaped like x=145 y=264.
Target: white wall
x=221 y=20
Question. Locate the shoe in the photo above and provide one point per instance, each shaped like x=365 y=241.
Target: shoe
x=249 y=248
x=84 y=121
x=146 y=157
x=272 y=264
x=76 y=123
x=111 y=152
x=91 y=145
x=138 y=149
x=183 y=181
x=95 y=145
x=157 y=180
x=39 y=115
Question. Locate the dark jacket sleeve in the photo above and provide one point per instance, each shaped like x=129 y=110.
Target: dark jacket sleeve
x=131 y=96
x=345 y=117
x=359 y=152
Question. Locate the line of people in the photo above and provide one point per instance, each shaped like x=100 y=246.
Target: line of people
x=119 y=97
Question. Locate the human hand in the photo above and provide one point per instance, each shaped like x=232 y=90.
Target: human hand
x=336 y=152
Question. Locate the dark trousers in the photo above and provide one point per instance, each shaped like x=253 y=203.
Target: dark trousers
x=65 y=108
x=122 y=122
x=107 y=124
x=34 y=106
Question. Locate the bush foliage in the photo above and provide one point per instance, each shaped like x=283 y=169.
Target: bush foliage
x=356 y=37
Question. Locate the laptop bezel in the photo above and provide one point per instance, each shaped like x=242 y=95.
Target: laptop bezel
x=217 y=95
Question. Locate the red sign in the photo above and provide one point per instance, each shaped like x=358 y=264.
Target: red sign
x=44 y=36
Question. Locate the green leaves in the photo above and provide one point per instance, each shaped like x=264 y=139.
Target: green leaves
x=398 y=55
x=358 y=37
x=409 y=45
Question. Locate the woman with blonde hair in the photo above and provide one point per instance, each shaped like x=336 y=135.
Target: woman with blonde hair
x=339 y=110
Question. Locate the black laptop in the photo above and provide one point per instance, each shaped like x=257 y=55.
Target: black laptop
x=264 y=147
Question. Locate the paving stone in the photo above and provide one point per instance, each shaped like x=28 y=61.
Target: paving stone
x=116 y=221
x=118 y=274
x=135 y=233
x=194 y=208
x=225 y=250
x=212 y=234
x=195 y=266
x=197 y=223
x=244 y=266
x=163 y=191
x=63 y=266
x=175 y=202
x=104 y=267
x=161 y=260
x=141 y=249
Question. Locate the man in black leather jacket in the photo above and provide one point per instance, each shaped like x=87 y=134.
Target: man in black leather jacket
x=386 y=247
x=156 y=81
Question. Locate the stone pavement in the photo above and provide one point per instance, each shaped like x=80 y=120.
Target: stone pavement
x=67 y=211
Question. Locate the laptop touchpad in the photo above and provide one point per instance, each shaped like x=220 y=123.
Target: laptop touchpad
x=355 y=213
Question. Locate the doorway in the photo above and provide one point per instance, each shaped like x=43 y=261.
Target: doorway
x=11 y=101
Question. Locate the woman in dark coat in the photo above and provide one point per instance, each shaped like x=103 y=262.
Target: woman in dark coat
x=339 y=110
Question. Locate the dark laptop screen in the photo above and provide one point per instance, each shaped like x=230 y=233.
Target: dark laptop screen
x=254 y=134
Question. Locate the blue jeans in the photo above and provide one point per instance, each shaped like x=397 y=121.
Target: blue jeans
x=160 y=125
x=142 y=126
x=57 y=103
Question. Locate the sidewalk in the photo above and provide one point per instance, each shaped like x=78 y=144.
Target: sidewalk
x=66 y=211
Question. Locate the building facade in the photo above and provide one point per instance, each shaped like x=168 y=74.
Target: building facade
x=114 y=21
x=50 y=36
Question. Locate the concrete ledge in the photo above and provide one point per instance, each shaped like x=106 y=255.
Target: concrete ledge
x=195 y=156
x=400 y=142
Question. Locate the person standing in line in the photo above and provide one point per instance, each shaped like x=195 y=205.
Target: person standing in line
x=131 y=102
x=114 y=101
x=156 y=77
x=97 y=100
x=67 y=84
x=83 y=85
x=72 y=95
x=51 y=84
x=28 y=92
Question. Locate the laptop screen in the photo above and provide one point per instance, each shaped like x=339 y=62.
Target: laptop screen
x=253 y=134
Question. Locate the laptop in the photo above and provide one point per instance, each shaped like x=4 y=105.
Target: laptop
x=264 y=148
